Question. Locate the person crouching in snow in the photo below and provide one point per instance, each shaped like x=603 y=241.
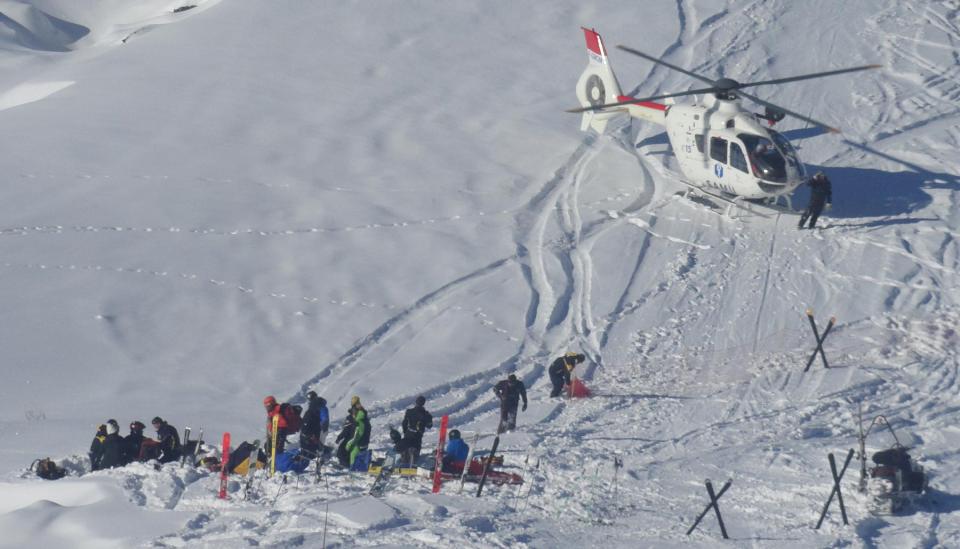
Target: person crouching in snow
x=455 y=454
x=560 y=371
x=344 y=438
x=168 y=440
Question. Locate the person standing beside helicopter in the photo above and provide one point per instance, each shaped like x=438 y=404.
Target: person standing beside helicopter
x=821 y=194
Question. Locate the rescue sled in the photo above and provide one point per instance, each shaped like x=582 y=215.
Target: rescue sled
x=475 y=472
x=896 y=481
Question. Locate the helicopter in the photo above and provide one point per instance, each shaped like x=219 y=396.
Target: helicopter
x=723 y=149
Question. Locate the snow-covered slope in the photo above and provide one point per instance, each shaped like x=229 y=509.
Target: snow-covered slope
x=248 y=198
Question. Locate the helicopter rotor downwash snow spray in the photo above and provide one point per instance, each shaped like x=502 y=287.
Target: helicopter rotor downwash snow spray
x=724 y=150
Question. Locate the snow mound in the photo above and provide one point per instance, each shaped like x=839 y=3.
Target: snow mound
x=365 y=512
x=65 y=25
x=33 y=28
x=91 y=512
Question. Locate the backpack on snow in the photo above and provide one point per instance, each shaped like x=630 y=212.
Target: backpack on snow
x=291 y=413
x=47 y=469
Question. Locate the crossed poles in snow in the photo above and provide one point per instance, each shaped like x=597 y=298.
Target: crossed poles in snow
x=820 y=339
x=836 y=488
x=713 y=504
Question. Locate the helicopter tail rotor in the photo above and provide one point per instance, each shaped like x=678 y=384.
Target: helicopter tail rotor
x=597 y=85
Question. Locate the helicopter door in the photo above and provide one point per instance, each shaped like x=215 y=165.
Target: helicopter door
x=718 y=149
x=737 y=159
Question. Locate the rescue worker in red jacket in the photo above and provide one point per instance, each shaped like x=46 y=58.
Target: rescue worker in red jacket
x=272 y=407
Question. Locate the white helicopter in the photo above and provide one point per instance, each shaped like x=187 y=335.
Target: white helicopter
x=724 y=150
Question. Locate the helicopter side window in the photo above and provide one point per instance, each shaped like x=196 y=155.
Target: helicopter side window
x=718 y=149
x=737 y=159
x=699 y=139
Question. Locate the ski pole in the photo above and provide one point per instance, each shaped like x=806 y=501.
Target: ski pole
x=283 y=483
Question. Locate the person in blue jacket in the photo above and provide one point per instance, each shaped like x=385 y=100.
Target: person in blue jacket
x=455 y=456
x=316 y=425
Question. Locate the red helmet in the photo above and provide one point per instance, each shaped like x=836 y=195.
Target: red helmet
x=270 y=401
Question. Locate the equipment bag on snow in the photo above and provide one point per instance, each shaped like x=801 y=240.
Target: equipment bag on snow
x=291 y=413
x=291 y=461
x=245 y=456
x=47 y=469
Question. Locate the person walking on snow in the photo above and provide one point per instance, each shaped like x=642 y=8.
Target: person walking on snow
x=560 y=371
x=272 y=407
x=821 y=193
x=510 y=391
x=361 y=430
x=416 y=420
x=316 y=425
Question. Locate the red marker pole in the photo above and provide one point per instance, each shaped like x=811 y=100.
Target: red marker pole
x=223 y=465
x=437 y=480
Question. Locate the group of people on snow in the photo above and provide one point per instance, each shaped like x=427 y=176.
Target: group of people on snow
x=109 y=449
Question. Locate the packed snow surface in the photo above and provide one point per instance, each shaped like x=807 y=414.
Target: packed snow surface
x=202 y=207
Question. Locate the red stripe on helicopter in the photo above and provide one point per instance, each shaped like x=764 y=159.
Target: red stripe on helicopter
x=647 y=104
x=593 y=40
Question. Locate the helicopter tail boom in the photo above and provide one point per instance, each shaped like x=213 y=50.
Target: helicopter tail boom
x=598 y=86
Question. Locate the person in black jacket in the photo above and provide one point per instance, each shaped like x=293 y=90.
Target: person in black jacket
x=821 y=193
x=316 y=424
x=510 y=391
x=416 y=420
x=560 y=371
x=346 y=434
x=96 y=447
x=132 y=443
x=112 y=448
x=168 y=439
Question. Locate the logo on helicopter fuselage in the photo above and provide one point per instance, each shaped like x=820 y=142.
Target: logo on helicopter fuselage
x=718 y=170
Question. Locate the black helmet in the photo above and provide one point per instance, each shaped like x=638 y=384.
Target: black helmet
x=421 y=400
x=311 y=395
x=454 y=434
x=512 y=377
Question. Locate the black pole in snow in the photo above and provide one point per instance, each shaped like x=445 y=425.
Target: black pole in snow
x=836 y=488
x=820 y=340
x=486 y=466
x=714 y=498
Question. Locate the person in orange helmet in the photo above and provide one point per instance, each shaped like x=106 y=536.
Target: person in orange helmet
x=272 y=407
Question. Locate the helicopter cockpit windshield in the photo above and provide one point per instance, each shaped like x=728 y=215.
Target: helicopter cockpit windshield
x=768 y=162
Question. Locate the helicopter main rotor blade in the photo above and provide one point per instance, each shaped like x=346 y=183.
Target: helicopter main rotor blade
x=665 y=64
x=641 y=100
x=756 y=99
x=808 y=76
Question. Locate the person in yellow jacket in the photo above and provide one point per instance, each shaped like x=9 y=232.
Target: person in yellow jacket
x=361 y=432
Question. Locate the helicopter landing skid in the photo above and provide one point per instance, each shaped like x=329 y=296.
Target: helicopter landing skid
x=733 y=204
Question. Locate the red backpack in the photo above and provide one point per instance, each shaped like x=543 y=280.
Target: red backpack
x=291 y=414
